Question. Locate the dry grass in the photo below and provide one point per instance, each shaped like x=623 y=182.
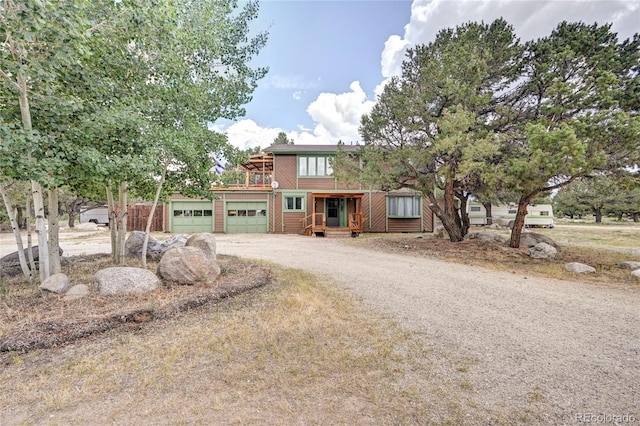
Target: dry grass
x=606 y=258
x=296 y=352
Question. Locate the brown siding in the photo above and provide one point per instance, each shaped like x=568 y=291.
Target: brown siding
x=254 y=196
x=377 y=221
x=427 y=215
x=343 y=186
x=316 y=183
x=276 y=215
x=292 y=223
x=404 y=225
x=285 y=171
x=218 y=223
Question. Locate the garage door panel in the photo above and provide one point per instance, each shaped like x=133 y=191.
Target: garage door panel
x=191 y=217
x=247 y=217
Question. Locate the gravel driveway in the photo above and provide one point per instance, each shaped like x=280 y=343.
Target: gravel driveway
x=527 y=348
x=568 y=352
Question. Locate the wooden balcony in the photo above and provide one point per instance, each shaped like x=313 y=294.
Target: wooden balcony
x=255 y=175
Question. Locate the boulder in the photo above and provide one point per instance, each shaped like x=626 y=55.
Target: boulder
x=77 y=291
x=579 y=268
x=504 y=223
x=487 y=236
x=187 y=266
x=10 y=264
x=542 y=251
x=630 y=265
x=56 y=283
x=133 y=245
x=636 y=273
x=205 y=242
x=530 y=239
x=124 y=280
x=172 y=242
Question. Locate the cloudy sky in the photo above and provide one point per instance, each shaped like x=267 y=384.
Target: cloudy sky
x=328 y=58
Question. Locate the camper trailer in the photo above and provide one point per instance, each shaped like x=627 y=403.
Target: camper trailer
x=538 y=215
x=99 y=215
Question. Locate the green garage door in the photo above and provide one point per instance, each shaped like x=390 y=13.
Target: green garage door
x=191 y=216
x=246 y=217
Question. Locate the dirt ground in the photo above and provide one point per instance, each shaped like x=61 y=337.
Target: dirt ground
x=519 y=337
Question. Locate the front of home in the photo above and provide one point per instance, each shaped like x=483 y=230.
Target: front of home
x=290 y=189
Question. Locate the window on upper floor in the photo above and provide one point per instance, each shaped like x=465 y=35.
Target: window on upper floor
x=404 y=206
x=309 y=166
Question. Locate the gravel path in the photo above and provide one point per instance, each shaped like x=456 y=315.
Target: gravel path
x=530 y=349
x=563 y=351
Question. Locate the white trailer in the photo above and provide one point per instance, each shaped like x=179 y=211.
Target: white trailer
x=538 y=215
x=99 y=215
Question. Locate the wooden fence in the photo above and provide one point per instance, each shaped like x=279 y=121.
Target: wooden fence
x=138 y=214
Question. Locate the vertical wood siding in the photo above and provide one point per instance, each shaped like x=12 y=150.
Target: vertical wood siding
x=285 y=171
x=377 y=221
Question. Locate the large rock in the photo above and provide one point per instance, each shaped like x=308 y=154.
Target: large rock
x=155 y=248
x=124 y=280
x=630 y=265
x=77 y=291
x=205 y=242
x=542 y=251
x=530 y=239
x=135 y=241
x=187 y=266
x=579 y=268
x=487 y=236
x=56 y=283
x=636 y=273
x=10 y=264
x=172 y=242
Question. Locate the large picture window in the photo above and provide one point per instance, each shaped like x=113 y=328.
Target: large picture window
x=314 y=166
x=404 y=207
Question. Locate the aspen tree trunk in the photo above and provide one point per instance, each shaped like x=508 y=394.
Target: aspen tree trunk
x=36 y=188
x=150 y=218
x=113 y=223
x=32 y=262
x=122 y=222
x=54 y=232
x=16 y=232
x=41 y=230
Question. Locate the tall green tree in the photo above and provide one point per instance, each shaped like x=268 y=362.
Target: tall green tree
x=282 y=139
x=575 y=105
x=40 y=40
x=433 y=128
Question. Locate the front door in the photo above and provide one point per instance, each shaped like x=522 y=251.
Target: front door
x=336 y=212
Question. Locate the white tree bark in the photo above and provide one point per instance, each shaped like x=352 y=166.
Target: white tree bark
x=113 y=223
x=16 y=232
x=32 y=262
x=122 y=225
x=153 y=211
x=54 y=232
x=41 y=230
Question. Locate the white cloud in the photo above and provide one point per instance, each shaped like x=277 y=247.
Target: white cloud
x=530 y=18
x=294 y=82
x=336 y=117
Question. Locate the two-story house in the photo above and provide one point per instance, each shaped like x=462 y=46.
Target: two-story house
x=291 y=189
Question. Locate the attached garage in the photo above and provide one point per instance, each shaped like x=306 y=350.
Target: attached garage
x=191 y=216
x=246 y=217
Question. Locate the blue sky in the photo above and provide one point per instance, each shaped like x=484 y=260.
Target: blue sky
x=327 y=59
